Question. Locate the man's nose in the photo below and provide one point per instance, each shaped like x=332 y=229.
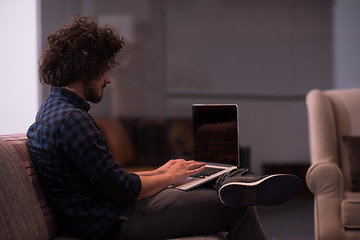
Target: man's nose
x=107 y=78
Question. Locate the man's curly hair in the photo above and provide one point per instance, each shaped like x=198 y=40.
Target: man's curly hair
x=80 y=51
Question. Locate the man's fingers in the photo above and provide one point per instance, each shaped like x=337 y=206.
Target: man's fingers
x=197 y=170
x=195 y=165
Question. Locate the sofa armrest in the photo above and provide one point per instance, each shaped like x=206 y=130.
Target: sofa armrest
x=325 y=178
x=325 y=181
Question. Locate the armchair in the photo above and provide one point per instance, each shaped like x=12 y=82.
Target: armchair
x=333 y=114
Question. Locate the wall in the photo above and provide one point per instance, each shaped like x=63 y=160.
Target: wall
x=346 y=44
x=264 y=56
x=19 y=44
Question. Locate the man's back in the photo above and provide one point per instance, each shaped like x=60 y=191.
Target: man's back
x=70 y=155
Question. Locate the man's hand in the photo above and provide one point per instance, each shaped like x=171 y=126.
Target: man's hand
x=180 y=169
x=172 y=172
x=164 y=168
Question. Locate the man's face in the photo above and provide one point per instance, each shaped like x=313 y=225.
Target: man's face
x=94 y=91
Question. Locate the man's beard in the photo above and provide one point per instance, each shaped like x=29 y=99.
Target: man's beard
x=92 y=95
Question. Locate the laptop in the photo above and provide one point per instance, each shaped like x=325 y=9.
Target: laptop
x=215 y=137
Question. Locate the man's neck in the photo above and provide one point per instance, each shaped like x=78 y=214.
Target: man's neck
x=77 y=88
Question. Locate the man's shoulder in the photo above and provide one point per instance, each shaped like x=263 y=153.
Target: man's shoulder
x=56 y=111
x=61 y=106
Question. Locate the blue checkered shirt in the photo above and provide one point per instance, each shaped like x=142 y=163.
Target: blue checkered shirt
x=77 y=171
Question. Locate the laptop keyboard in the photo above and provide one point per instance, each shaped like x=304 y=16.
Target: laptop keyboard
x=208 y=171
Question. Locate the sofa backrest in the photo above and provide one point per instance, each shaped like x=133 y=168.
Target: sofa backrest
x=25 y=213
x=346 y=103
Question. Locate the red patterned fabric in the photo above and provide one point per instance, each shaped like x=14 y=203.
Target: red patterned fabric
x=18 y=142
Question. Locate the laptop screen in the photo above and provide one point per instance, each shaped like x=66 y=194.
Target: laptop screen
x=215 y=133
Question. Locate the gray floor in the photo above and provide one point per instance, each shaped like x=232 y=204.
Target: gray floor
x=293 y=220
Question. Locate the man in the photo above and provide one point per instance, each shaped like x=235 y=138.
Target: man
x=92 y=195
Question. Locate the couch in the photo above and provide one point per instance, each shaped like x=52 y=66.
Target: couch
x=334 y=174
x=25 y=213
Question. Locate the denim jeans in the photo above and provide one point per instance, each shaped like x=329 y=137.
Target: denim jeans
x=174 y=213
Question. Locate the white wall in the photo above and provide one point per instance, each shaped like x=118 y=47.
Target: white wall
x=19 y=98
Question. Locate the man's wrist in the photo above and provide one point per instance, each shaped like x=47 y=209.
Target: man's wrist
x=169 y=178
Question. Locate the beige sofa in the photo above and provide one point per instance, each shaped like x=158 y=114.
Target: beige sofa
x=25 y=213
x=332 y=175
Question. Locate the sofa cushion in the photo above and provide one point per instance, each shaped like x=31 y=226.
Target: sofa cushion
x=352 y=144
x=350 y=210
x=17 y=144
x=21 y=217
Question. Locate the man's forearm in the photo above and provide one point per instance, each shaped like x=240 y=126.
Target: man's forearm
x=153 y=184
x=148 y=173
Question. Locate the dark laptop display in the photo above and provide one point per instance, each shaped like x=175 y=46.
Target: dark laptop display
x=215 y=141
x=216 y=133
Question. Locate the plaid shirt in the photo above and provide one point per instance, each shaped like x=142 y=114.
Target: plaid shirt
x=72 y=160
